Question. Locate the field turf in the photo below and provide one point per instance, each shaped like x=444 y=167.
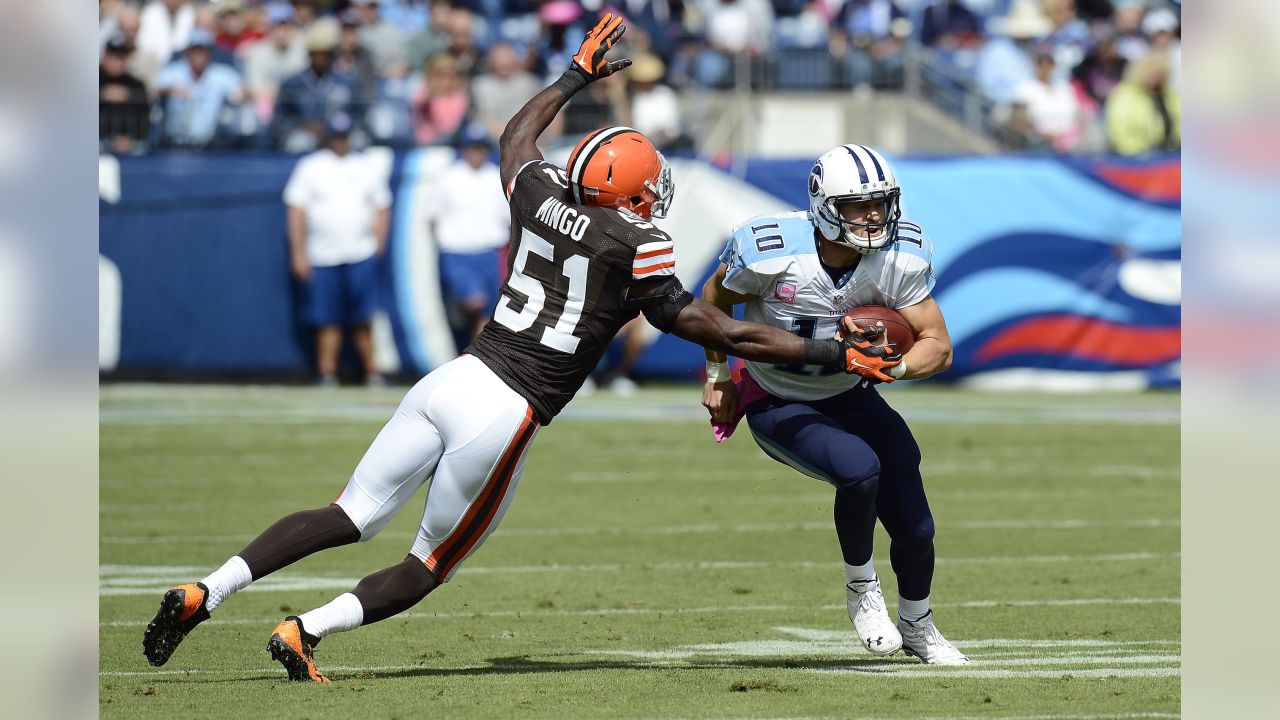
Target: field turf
x=644 y=572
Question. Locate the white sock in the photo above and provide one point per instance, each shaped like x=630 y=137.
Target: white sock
x=912 y=610
x=233 y=576
x=860 y=573
x=341 y=614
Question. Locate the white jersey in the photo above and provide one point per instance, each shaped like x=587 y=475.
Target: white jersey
x=774 y=259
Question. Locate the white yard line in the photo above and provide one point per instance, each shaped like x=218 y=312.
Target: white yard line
x=125 y=584
x=599 y=612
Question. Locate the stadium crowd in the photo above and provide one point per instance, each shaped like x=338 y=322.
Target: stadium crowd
x=1065 y=76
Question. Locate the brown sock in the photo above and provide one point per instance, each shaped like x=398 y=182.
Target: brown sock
x=396 y=589
x=297 y=536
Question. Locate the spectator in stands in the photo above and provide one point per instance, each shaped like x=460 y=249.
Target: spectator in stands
x=1069 y=37
x=471 y=223
x=1004 y=64
x=504 y=87
x=1160 y=26
x=124 y=115
x=434 y=38
x=195 y=92
x=1144 y=114
x=950 y=25
x=1053 y=116
x=141 y=65
x=1127 y=19
x=338 y=210
x=384 y=41
x=267 y=64
x=441 y=103
x=355 y=60
x=655 y=110
x=877 y=31
x=1101 y=70
x=314 y=94
x=390 y=117
x=233 y=29
x=462 y=42
x=164 y=28
x=735 y=29
x=561 y=32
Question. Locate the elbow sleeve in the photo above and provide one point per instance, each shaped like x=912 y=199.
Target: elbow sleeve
x=663 y=315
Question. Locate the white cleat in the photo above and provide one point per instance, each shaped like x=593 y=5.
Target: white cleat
x=921 y=639
x=871 y=619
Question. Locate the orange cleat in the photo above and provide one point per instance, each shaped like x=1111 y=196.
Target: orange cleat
x=292 y=647
x=181 y=610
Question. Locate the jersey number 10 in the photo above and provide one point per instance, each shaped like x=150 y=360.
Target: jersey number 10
x=560 y=335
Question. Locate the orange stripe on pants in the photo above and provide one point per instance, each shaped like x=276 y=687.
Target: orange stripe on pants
x=446 y=556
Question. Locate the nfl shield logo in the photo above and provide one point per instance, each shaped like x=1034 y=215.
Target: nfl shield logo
x=838 y=298
x=785 y=291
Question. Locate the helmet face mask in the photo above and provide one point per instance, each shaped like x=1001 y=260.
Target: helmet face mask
x=867 y=237
x=854 y=174
x=664 y=191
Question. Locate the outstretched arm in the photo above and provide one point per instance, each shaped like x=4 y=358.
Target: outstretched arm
x=705 y=324
x=518 y=143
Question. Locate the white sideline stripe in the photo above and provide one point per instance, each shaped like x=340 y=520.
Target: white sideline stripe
x=112 y=585
x=1066 y=524
x=800 y=632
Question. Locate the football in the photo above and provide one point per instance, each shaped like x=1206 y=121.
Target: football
x=897 y=332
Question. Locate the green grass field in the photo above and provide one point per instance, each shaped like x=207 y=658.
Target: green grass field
x=644 y=572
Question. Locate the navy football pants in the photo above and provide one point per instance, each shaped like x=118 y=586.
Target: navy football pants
x=862 y=447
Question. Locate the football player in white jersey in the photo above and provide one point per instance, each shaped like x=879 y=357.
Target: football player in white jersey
x=802 y=271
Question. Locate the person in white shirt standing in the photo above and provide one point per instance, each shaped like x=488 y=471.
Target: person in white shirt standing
x=338 y=215
x=471 y=222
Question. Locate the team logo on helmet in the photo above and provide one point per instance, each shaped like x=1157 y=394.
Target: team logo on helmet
x=815 y=179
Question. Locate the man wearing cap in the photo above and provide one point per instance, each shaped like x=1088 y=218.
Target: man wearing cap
x=279 y=56
x=338 y=212
x=471 y=223
x=655 y=109
x=1005 y=62
x=1160 y=26
x=316 y=93
x=195 y=91
x=124 y=113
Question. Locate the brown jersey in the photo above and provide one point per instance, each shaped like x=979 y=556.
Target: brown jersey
x=576 y=275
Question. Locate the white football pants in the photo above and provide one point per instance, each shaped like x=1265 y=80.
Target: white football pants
x=466 y=430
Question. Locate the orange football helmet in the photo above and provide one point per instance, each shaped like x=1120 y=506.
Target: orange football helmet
x=619 y=167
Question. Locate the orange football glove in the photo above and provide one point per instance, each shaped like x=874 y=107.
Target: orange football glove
x=589 y=61
x=861 y=356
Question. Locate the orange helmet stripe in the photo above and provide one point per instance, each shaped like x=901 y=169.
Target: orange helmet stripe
x=578 y=161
